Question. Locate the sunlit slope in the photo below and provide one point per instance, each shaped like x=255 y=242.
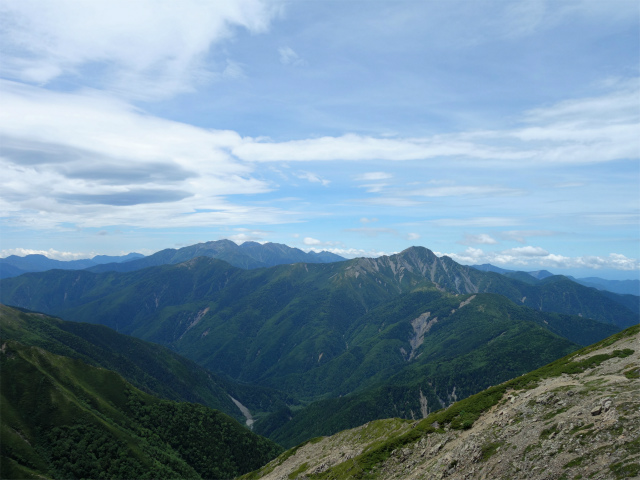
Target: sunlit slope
x=423 y=360
x=578 y=417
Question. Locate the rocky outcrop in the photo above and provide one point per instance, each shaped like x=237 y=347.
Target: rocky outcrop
x=581 y=424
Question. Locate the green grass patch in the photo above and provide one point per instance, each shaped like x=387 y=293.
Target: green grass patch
x=574 y=463
x=633 y=374
x=621 y=470
x=530 y=448
x=298 y=471
x=556 y=412
x=582 y=427
x=547 y=432
x=489 y=450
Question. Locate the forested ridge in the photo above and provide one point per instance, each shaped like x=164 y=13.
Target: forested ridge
x=64 y=419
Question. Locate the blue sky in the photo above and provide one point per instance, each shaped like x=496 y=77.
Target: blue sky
x=491 y=131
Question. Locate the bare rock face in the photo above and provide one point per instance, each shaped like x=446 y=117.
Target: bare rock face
x=573 y=425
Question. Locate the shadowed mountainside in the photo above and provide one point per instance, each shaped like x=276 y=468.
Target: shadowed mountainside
x=62 y=418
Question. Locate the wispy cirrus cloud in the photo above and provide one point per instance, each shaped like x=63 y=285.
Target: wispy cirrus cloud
x=289 y=57
x=476 y=222
x=102 y=153
x=50 y=253
x=612 y=218
x=465 y=190
x=372 y=232
x=521 y=236
x=138 y=49
x=480 y=239
x=579 y=131
x=372 y=176
x=313 y=178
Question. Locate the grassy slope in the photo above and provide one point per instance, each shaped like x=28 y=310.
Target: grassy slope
x=461 y=415
x=62 y=418
x=485 y=342
x=150 y=367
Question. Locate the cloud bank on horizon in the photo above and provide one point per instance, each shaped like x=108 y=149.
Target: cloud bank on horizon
x=508 y=130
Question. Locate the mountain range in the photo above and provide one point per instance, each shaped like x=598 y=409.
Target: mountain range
x=254 y=255
x=248 y=255
x=622 y=287
x=13 y=265
x=333 y=345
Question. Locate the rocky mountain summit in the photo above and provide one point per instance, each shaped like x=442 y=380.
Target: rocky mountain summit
x=578 y=417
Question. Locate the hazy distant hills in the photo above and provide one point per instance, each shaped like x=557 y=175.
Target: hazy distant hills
x=13 y=265
x=62 y=418
x=248 y=255
x=631 y=287
x=622 y=287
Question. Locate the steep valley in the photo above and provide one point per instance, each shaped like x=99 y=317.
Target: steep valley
x=578 y=417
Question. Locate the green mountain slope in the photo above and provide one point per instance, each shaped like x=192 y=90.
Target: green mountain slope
x=149 y=367
x=274 y=326
x=64 y=419
x=467 y=344
x=577 y=417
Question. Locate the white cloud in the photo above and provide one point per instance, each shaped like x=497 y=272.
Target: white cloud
x=374 y=187
x=536 y=257
x=247 y=235
x=289 y=57
x=413 y=236
x=464 y=190
x=369 y=176
x=102 y=162
x=476 y=222
x=51 y=253
x=352 y=252
x=522 y=235
x=579 y=131
x=141 y=49
x=390 y=202
x=311 y=241
x=358 y=147
x=480 y=239
x=313 y=178
x=527 y=251
x=368 y=220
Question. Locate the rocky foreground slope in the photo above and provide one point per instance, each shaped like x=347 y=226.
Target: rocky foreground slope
x=578 y=417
